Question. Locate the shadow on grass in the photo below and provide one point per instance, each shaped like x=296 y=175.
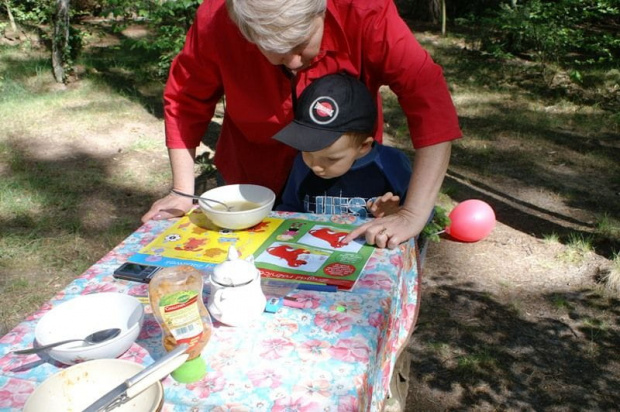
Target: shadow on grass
x=527 y=217
x=71 y=190
x=556 y=153
x=468 y=343
x=127 y=67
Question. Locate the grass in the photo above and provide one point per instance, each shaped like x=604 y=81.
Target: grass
x=578 y=248
x=78 y=167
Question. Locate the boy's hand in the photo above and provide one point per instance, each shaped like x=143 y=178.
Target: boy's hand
x=387 y=204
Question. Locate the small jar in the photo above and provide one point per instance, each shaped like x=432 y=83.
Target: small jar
x=175 y=294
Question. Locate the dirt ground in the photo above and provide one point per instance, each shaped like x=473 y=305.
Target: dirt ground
x=514 y=322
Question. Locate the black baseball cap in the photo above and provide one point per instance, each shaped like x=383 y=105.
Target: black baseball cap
x=329 y=107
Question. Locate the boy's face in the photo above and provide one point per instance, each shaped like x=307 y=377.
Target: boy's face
x=337 y=159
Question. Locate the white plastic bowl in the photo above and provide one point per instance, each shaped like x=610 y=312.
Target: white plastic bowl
x=77 y=387
x=83 y=315
x=259 y=198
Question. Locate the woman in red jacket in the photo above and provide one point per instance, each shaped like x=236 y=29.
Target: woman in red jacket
x=261 y=54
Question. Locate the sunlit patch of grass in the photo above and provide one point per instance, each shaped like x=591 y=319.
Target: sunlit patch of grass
x=551 y=238
x=611 y=277
x=608 y=226
x=578 y=247
x=146 y=144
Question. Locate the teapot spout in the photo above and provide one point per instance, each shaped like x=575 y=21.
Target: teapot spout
x=233 y=253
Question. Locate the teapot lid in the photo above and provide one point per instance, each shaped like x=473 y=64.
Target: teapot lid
x=234 y=271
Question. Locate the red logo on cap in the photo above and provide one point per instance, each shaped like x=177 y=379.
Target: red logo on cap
x=324 y=110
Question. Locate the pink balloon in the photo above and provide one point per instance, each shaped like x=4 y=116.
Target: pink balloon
x=471 y=221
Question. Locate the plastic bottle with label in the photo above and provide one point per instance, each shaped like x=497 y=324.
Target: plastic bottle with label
x=175 y=294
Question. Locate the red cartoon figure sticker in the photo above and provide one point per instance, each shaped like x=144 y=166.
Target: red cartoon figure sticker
x=192 y=245
x=330 y=236
x=260 y=227
x=289 y=254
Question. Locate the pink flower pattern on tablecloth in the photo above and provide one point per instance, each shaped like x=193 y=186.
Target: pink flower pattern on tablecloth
x=231 y=407
x=15 y=393
x=314 y=350
x=265 y=377
x=336 y=354
x=211 y=383
x=276 y=348
x=309 y=300
x=348 y=404
x=352 y=308
x=283 y=327
x=350 y=350
x=317 y=389
x=376 y=281
x=150 y=328
x=294 y=404
x=333 y=322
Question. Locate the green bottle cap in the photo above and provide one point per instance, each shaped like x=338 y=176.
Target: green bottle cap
x=191 y=371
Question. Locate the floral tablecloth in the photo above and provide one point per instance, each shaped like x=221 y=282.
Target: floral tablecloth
x=319 y=358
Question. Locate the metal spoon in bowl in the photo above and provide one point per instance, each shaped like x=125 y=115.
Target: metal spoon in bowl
x=97 y=337
x=228 y=208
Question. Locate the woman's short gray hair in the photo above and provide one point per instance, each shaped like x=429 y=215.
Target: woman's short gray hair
x=277 y=26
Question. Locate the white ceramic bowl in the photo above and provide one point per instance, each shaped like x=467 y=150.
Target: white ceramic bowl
x=251 y=204
x=85 y=314
x=77 y=387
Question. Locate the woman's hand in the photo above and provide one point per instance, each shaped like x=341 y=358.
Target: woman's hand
x=168 y=207
x=390 y=231
x=387 y=204
x=429 y=169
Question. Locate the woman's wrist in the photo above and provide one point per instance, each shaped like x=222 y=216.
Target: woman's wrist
x=179 y=193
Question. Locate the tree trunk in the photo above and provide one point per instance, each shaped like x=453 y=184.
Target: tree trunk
x=443 y=17
x=10 y=14
x=434 y=10
x=60 y=40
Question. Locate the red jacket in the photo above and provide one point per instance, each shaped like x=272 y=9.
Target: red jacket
x=367 y=39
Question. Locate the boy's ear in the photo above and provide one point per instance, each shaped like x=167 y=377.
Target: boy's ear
x=367 y=145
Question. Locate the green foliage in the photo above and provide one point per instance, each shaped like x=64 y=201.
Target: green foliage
x=172 y=21
x=32 y=11
x=437 y=225
x=572 y=33
x=169 y=20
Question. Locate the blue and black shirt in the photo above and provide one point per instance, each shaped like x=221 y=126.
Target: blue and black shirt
x=384 y=169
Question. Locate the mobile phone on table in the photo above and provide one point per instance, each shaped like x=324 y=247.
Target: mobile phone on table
x=136 y=272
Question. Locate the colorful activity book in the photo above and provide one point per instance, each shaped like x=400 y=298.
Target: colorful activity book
x=193 y=240
x=293 y=250
x=306 y=251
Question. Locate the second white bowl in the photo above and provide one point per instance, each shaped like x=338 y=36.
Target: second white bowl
x=85 y=314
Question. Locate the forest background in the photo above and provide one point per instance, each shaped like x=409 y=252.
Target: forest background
x=526 y=319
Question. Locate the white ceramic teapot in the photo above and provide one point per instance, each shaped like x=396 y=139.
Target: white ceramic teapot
x=236 y=296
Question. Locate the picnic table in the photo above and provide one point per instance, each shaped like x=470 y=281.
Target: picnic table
x=319 y=357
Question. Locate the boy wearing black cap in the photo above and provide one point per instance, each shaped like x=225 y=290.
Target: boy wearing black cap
x=341 y=169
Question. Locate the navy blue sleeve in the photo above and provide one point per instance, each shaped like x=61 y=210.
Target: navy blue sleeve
x=397 y=168
x=291 y=201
